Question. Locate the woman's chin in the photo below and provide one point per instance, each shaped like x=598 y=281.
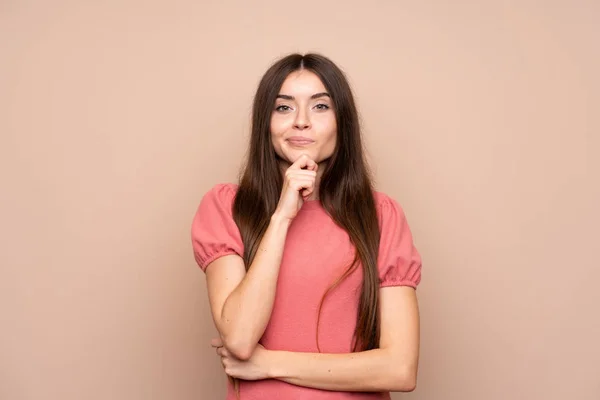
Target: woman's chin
x=290 y=156
x=294 y=156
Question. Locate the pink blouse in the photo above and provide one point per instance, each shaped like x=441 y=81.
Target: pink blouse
x=316 y=253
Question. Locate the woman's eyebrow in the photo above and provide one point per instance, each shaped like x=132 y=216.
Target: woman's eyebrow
x=322 y=94
x=314 y=96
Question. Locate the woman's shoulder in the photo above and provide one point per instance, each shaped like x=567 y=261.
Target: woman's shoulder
x=219 y=196
x=222 y=191
x=387 y=206
x=383 y=199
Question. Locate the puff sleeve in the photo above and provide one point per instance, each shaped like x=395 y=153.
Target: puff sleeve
x=214 y=232
x=399 y=262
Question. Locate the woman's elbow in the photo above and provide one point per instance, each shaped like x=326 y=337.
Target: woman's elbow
x=409 y=385
x=240 y=349
x=404 y=380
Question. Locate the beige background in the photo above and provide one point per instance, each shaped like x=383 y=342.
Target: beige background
x=481 y=119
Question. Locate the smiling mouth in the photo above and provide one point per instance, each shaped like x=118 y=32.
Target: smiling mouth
x=300 y=142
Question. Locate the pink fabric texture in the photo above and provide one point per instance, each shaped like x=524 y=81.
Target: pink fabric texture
x=316 y=253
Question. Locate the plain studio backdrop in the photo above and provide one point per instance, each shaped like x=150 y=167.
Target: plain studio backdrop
x=480 y=117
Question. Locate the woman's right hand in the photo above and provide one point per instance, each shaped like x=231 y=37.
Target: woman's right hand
x=298 y=185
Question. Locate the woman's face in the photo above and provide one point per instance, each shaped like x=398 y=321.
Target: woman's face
x=303 y=119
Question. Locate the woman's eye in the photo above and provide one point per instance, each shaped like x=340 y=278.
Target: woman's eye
x=322 y=107
x=282 y=108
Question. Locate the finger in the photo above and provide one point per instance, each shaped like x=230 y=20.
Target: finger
x=306 y=197
x=300 y=162
x=216 y=342
x=312 y=165
x=307 y=188
x=308 y=163
x=304 y=162
x=303 y=184
x=222 y=351
x=306 y=193
x=302 y=179
x=293 y=173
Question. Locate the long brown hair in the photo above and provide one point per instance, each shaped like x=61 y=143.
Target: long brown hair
x=345 y=189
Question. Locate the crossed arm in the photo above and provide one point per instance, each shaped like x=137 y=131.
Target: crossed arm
x=391 y=367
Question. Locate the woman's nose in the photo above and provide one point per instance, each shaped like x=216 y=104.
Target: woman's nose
x=302 y=121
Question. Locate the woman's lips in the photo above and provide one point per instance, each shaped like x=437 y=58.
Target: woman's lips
x=300 y=141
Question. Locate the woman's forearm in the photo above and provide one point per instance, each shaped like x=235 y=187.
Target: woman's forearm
x=368 y=371
x=247 y=309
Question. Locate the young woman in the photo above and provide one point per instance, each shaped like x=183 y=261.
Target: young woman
x=311 y=273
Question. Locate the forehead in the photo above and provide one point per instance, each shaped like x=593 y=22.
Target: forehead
x=302 y=83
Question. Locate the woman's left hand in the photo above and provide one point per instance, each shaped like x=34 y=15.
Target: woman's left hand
x=255 y=368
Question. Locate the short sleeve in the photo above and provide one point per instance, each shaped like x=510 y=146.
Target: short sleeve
x=214 y=232
x=399 y=262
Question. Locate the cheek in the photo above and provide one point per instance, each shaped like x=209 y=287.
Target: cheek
x=277 y=128
x=328 y=128
x=331 y=142
x=326 y=121
x=279 y=125
x=331 y=136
